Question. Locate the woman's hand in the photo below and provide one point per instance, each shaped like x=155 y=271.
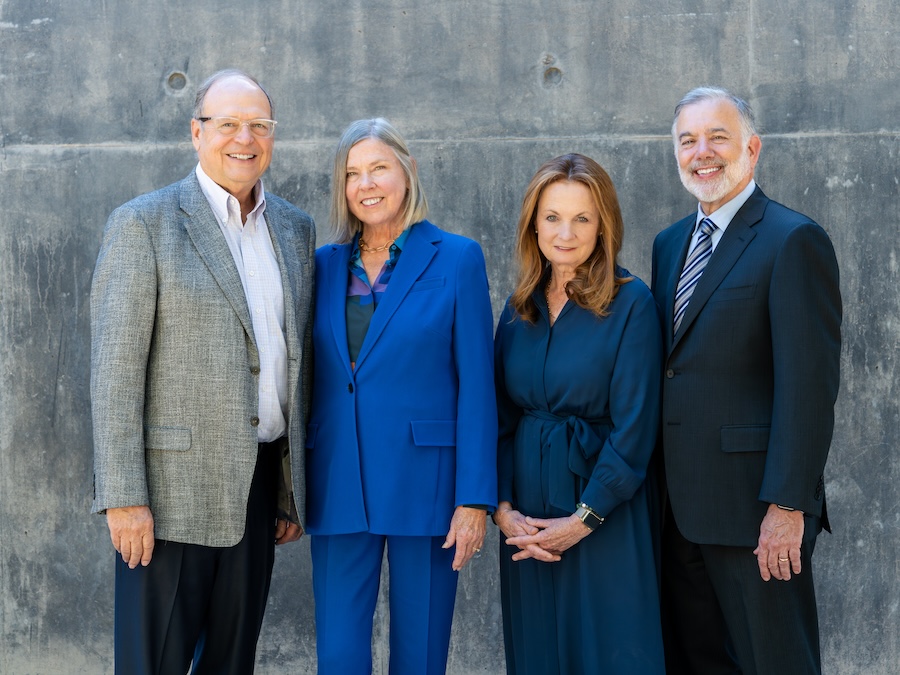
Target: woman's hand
x=511 y=522
x=467 y=529
x=515 y=524
x=554 y=536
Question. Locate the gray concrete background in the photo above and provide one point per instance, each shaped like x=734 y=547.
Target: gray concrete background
x=95 y=98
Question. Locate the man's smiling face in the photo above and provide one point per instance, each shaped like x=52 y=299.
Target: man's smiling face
x=715 y=161
x=234 y=162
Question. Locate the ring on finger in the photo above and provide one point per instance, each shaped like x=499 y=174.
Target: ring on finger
x=783 y=559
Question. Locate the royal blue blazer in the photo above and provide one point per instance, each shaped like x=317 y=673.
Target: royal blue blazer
x=397 y=443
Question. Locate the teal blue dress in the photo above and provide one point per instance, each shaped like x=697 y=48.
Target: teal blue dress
x=579 y=409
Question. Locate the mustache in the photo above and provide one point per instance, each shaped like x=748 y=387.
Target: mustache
x=694 y=166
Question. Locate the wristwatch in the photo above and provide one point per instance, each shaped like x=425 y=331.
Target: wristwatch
x=588 y=516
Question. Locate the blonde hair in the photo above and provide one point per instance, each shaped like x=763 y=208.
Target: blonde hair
x=595 y=283
x=344 y=225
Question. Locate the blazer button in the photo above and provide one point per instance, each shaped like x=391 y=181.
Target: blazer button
x=254 y=370
x=670 y=373
x=350 y=388
x=254 y=421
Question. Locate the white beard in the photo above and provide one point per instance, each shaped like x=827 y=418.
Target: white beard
x=715 y=190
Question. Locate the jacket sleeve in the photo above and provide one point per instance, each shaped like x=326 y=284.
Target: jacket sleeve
x=805 y=314
x=476 y=433
x=123 y=307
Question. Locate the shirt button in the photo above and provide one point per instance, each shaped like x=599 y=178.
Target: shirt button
x=670 y=373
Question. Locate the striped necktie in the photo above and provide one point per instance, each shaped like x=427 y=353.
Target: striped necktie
x=693 y=268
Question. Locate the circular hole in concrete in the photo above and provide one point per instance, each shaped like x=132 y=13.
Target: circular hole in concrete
x=552 y=77
x=176 y=81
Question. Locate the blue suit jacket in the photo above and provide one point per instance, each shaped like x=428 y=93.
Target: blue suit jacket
x=752 y=374
x=396 y=444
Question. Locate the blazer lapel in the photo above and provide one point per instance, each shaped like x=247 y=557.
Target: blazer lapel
x=336 y=275
x=416 y=256
x=204 y=231
x=737 y=237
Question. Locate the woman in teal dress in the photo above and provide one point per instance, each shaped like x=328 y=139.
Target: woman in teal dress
x=578 y=362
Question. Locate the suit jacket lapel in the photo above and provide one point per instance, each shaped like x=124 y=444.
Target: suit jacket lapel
x=204 y=231
x=678 y=249
x=291 y=277
x=736 y=238
x=416 y=256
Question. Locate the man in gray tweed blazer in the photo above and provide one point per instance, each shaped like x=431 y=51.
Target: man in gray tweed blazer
x=201 y=326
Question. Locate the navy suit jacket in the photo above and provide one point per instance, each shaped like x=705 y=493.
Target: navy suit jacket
x=752 y=374
x=397 y=443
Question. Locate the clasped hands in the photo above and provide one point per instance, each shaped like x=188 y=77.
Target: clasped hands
x=544 y=539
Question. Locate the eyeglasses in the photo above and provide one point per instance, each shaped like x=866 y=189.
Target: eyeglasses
x=231 y=126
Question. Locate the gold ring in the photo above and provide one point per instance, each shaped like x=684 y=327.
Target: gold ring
x=783 y=559
x=477 y=550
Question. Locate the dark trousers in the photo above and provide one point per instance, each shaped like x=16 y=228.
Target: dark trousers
x=197 y=603
x=721 y=618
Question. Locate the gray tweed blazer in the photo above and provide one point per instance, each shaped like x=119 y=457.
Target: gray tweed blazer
x=174 y=365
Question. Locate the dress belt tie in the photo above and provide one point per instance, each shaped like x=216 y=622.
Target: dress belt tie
x=572 y=445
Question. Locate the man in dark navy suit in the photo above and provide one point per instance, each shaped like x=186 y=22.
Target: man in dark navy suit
x=750 y=306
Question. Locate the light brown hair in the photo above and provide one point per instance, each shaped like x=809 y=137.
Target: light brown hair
x=595 y=283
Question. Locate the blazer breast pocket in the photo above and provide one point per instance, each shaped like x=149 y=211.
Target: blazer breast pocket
x=732 y=293
x=745 y=438
x=167 y=438
x=427 y=284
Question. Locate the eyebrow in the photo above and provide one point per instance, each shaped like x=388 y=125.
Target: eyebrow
x=714 y=130
x=374 y=161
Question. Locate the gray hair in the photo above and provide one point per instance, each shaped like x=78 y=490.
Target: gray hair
x=700 y=94
x=207 y=84
x=344 y=225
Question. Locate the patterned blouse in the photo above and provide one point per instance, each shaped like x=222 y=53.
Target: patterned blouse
x=363 y=297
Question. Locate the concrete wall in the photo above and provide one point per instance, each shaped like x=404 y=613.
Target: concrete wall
x=95 y=98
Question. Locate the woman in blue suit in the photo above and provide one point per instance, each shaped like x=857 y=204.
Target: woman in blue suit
x=401 y=446
x=578 y=362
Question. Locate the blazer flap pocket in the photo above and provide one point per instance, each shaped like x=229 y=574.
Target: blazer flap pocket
x=311 y=431
x=733 y=293
x=745 y=438
x=435 y=433
x=167 y=438
x=427 y=284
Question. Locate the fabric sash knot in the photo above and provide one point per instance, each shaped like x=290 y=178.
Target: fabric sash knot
x=573 y=444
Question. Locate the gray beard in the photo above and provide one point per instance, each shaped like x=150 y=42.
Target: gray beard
x=713 y=192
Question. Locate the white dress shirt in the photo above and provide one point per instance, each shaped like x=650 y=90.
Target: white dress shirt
x=253 y=253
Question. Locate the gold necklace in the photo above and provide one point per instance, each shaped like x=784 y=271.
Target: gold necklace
x=547 y=298
x=363 y=246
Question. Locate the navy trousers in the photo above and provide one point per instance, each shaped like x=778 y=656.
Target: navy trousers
x=198 y=604
x=721 y=618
